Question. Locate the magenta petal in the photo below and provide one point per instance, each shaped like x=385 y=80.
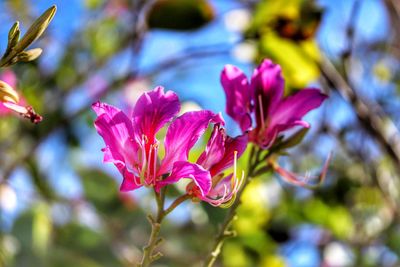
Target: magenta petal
x=268 y=86
x=237 y=144
x=184 y=169
x=183 y=133
x=116 y=129
x=223 y=188
x=153 y=110
x=130 y=182
x=215 y=148
x=238 y=96
x=293 y=108
x=15 y=107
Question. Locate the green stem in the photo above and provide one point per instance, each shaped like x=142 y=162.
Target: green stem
x=224 y=232
x=176 y=203
x=148 y=255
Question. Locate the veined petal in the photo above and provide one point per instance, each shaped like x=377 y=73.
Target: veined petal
x=294 y=107
x=153 y=110
x=183 y=133
x=268 y=85
x=238 y=96
x=267 y=138
x=215 y=148
x=237 y=144
x=184 y=169
x=130 y=181
x=116 y=129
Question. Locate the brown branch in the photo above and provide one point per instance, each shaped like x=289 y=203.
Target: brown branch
x=370 y=115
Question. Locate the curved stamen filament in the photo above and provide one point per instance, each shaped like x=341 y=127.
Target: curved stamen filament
x=143 y=168
x=234 y=168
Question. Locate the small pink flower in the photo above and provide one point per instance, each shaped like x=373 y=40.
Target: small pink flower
x=259 y=106
x=221 y=153
x=10 y=100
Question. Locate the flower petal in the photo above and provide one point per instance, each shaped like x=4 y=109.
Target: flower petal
x=237 y=144
x=130 y=181
x=267 y=138
x=116 y=129
x=268 y=85
x=183 y=133
x=215 y=148
x=25 y=111
x=153 y=110
x=288 y=114
x=184 y=169
x=238 y=96
x=294 y=107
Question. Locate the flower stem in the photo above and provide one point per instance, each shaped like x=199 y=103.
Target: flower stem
x=254 y=161
x=176 y=203
x=148 y=255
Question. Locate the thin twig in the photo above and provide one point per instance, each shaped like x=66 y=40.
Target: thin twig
x=224 y=231
x=370 y=115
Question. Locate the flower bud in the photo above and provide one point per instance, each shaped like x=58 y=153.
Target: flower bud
x=13 y=36
x=36 y=29
x=29 y=55
x=7 y=93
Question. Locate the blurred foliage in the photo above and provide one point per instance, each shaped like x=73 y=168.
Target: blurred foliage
x=186 y=14
x=91 y=224
x=285 y=32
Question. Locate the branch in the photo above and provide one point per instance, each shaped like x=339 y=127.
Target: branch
x=371 y=116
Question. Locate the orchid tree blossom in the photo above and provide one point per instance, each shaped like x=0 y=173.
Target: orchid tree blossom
x=132 y=146
x=259 y=105
x=260 y=108
x=265 y=115
x=10 y=100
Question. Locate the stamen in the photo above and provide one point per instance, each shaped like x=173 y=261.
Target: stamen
x=260 y=103
x=143 y=169
x=148 y=164
x=155 y=162
x=234 y=168
x=145 y=139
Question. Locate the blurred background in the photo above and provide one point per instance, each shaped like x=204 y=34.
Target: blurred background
x=60 y=205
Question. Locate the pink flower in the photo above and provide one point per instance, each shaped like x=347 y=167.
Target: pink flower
x=261 y=101
x=10 y=100
x=220 y=154
x=132 y=146
x=260 y=109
